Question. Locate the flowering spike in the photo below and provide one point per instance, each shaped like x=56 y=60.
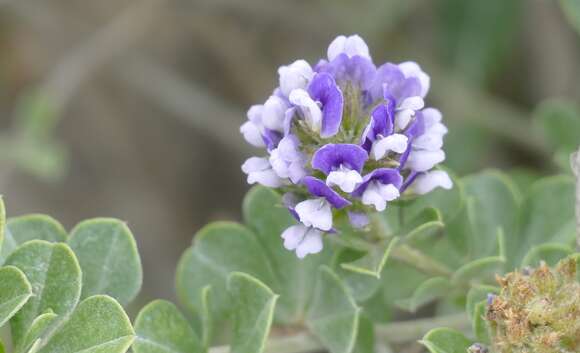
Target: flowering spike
x=345 y=135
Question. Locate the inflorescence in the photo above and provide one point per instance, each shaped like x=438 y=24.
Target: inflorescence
x=344 y=136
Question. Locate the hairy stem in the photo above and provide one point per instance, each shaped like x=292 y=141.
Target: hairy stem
x=397 y=332
x=575 y=164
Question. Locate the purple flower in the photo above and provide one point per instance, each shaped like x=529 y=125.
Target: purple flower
x=345 y=135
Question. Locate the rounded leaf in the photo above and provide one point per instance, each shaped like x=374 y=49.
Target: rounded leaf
x=109 y=258
x=161 y=328
x=55 y=276
x=14 y=292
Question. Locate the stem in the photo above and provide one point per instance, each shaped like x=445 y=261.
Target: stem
x=410 y=255
x=420 y=261
x=575 y=165
x=397 y=332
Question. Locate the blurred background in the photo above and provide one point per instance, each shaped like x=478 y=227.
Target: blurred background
x=131 y=108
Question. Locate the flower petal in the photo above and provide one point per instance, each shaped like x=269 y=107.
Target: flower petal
x=318 y=188
x=293 y=236
x=315 y=213
x=311 y=244
x=332 y=156
x=427 y=182
x=395 y=142
x=324 y=89
x=293 y=76
x=384 y=176
x=423 y=160
x=412 y=69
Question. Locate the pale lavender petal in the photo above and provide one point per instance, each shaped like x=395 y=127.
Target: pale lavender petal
x=388 y=75
x=315 y=213
x=332 y=156
x=323 y=88
x=293 y=236
x=357 y=70
x=319 y=188
x=358 y=219
x=412 y=69
x=423 y=160
x=296 y=75
x=311 y=244
x=273 y=113
x=351 y=46
x=252 y=134
x=427 y=182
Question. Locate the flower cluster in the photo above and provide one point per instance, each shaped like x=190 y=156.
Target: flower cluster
x=538 y=310
x=344 y=136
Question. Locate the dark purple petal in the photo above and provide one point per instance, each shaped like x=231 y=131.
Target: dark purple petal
x=382 y=121
x=417 y=127
x=319 y=188
x=357 y=69
x=410 y=179
x=323 y=88
x=271 y=138
x=384 y=176
x=332 y=156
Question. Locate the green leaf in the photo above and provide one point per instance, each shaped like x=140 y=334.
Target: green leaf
x=161 y=328
x=480 y=327
x=31 y=227
x=98 y=325
x=478 y=269
x=55 y=276
x=219 y=249
x=547 y=215
x=365 y=340
x=373 y=262
x=253 y=313
x=15 y=290
x=572 y=10
x=428 y=291
x=108 y=257
x=551 y=253
x=268 y=218
x=494 y=204
x=445 y=340
x=559 y=122
x=38 y=328
x=361 y=286
x=2 y=350
x=2 y=225
x=207 y=321
x=334 y=315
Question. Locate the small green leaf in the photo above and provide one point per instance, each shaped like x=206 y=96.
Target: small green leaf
x=31 y=227
x=98 y=325
x=15 y=290
x=428 y=291
x=365 y=340
x=334 y=315
x=551 y=253
x=373 y=262
x=55 y=276
x=161 y=328
x=38 y=328
x=362 y=286
x=572 y=10
x=445 y=340
x=219 y=249
x=480 y=327
x=109 y=259
x=253 y=313
x=478 y=269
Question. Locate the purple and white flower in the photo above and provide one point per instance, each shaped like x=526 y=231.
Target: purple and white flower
x=345 y=136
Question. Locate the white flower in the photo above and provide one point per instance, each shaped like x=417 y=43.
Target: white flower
x=253 y=128
x=260 y=171
x=432 y=139
x=293 y=76
x=346 y=179
x=274 y=112
x=315 y=213
x=423 y=160
x=377 y=194
x=351 y=46
x=395 y=142
x=412 y=69
x=287 y=160
x=308 y=107
x=304 y=240
x=425 y=183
